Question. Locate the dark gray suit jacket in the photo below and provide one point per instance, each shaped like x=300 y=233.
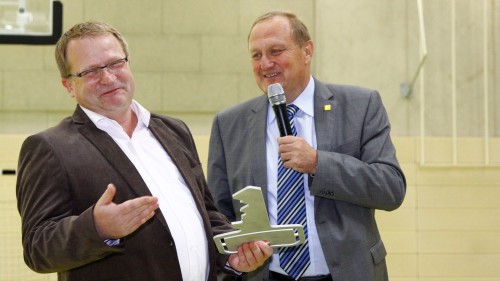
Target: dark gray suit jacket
x=357 y=173
x=62 y=173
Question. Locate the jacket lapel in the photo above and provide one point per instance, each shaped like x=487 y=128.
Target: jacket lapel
x=257 y=123
x=168 y=142
x=112 y=152
x=116 y=158
x=325 y=108
x=174 y=150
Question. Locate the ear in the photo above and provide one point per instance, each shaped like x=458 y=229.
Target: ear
x=69 y=86
x=308 y=51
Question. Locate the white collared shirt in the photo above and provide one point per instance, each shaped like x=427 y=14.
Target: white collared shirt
x=304 y=124
x=165 y=182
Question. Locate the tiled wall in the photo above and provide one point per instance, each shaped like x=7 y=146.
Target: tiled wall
x=190 y=59
x=447 y=229
x=12 y=267
x=448 y=226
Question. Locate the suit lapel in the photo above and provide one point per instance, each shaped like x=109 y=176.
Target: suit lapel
x=171 y=146
x=257 y=123
x=112 y=152
x=116 y=157
x=325 y=115
x=325 y=108
x=173 y=149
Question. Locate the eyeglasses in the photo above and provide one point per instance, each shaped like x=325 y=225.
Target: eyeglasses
x=94 y=73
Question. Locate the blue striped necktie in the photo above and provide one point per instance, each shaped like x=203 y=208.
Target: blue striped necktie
x=292 y=210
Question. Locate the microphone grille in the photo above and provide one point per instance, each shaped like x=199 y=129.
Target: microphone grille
x=276 y=94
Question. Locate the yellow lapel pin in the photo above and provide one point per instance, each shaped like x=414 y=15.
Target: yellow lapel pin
x=327 y=107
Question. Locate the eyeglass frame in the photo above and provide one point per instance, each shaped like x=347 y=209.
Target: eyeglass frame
x=82 y=74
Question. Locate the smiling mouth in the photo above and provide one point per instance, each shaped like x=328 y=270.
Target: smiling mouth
x=271 y=75
x=112 y=91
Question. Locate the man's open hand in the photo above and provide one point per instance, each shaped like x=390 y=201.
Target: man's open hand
x=114 y=221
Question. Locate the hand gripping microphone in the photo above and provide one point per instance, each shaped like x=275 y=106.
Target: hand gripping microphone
x=277 y=98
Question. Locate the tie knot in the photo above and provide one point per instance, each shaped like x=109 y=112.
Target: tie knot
x=291 y=110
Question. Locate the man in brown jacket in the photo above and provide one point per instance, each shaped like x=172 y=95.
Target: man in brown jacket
x=115 y=192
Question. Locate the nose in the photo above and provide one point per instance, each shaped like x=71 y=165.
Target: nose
x=106 y=76
x=265 y=62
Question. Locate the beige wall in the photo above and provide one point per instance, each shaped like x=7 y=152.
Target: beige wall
x=190 y=60
x=446 y=230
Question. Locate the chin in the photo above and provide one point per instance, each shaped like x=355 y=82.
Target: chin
x=264 y=84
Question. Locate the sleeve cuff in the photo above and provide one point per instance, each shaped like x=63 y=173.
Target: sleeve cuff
x=112 y=242
x=229 y=268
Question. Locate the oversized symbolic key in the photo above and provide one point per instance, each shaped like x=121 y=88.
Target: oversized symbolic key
x=255 y=225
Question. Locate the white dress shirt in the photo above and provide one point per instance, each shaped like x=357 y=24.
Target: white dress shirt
x=165 y=182
x=304 y=124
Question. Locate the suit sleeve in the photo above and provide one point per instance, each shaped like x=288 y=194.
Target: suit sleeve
x=364 y=170
x=217 y=173
x=54 y=238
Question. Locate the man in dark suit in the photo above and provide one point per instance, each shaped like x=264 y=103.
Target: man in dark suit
x=115 y=192
x=342 y=151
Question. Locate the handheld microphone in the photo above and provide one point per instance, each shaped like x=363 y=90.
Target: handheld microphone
x=276 y=96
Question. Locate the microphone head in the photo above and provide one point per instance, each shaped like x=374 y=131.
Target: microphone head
x=276 y=94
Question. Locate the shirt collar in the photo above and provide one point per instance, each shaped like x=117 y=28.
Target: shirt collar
x=305 y=102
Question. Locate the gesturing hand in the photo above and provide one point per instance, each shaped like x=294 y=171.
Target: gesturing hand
x=250 y=256
x=114 y=221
